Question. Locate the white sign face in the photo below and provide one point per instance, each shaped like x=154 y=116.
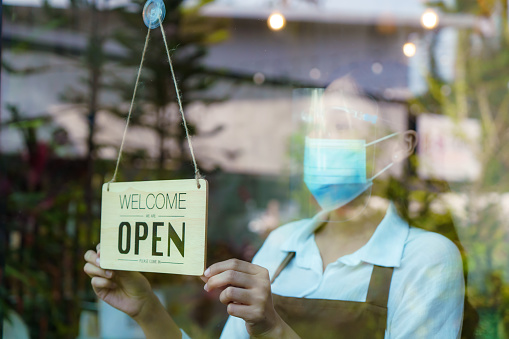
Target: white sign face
x=154 y=226
x=448 y=150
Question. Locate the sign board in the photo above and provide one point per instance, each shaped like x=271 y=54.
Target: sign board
x=448 y=150
x=154 y=226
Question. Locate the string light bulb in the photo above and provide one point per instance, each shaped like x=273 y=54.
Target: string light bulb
x=276 y=21
x=409 y=49
x=429 y=19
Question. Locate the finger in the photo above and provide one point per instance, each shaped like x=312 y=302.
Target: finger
x=98 y=248
x=231 y=264
x=91 y=257
x=246 y=312
x=236 y=295
x=233 y=278
x=204 y=279
x=94 y=271
x=99 y=283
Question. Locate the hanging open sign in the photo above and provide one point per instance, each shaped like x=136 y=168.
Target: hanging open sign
x=154 y=226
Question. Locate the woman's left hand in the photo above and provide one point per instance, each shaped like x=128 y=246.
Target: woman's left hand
x=247 y=294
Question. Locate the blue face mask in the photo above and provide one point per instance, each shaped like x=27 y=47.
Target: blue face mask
x=335 y=170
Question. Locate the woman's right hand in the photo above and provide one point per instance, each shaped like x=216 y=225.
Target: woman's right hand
x=129 y=292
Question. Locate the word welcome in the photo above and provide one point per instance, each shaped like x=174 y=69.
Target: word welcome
x=150 y=201
x=141 y=233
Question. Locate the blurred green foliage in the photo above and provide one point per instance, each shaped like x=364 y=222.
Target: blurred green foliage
x=479 y=91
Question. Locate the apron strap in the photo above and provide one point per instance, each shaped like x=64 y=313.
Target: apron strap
x=379 y=286
x=282 y=266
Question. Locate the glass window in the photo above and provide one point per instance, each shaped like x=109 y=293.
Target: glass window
x=354 y=153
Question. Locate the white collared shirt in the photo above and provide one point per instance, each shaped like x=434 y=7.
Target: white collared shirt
x=427 y=289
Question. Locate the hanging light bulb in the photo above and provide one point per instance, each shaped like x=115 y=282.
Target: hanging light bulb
x=276 y=21
x=429 y=19
x=409 y=49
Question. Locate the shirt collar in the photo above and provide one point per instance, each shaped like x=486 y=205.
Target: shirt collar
x=384 y=248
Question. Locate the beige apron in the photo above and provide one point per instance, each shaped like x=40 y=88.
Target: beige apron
x=324 y=318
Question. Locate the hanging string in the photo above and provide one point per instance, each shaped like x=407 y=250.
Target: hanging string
x=197 y=174
x=130 y=111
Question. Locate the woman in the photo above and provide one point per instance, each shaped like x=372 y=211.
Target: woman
x=349 y=272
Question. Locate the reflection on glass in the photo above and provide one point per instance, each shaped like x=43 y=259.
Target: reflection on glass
x=292 y=169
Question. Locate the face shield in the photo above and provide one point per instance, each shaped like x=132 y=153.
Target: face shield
x=333 y=151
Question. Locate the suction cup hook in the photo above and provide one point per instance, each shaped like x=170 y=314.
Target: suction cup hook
x=152 y=12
